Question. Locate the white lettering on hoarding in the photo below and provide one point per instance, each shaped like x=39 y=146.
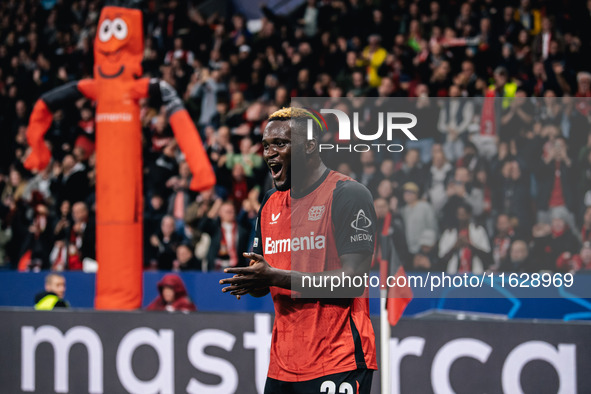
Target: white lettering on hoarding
x=563 y=360
x=163 y=343
x=61 y=344
x=448 y=354
x=561 y=357
x=214 y=365
x=260 y=341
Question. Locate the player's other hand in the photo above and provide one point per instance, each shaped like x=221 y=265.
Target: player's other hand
x=252 y=279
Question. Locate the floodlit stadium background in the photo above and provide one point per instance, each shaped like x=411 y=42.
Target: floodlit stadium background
x=233 y=63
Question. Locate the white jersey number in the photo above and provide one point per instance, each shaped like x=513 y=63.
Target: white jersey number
x=329 y=387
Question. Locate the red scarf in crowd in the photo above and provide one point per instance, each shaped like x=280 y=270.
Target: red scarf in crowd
x=465 y=254
x=228 y=246
x=488 y=125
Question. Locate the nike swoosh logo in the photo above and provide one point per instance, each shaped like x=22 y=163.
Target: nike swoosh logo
x=274 y=218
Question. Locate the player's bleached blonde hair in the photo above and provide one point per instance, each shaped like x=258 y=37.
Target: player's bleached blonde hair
x=287 y=113
x=297 y=114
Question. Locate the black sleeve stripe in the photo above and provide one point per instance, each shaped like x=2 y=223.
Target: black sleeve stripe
x=359 y=355
x=353 y=218
x=257 y=246
x=154 y=93
x=56 y=98
x=268 y=195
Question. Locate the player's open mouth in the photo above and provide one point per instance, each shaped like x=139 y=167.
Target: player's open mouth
x=276 y=170
x=102 y=74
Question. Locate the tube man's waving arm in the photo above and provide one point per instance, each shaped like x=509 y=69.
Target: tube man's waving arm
x=42 y=116
x=185 y=133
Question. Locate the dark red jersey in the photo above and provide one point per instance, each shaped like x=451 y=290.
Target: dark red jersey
x=308 y=233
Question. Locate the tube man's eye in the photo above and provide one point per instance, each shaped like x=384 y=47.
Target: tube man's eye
x=119 y=28
x=106 y=31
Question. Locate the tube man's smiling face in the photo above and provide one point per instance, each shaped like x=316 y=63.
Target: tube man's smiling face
x=119 y=44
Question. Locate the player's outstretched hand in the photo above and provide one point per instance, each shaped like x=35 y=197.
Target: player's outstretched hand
x=251 y=279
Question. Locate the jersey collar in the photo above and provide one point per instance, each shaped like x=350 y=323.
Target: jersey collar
x=313 y=187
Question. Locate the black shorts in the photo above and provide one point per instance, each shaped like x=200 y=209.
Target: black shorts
x=352 y=382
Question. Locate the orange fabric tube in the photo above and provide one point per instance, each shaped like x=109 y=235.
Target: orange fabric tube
x=118 y=55
x=118 y=198
x=190 y=143
x=39 y=122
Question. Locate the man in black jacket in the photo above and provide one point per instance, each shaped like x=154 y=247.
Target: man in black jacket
x=229 y=236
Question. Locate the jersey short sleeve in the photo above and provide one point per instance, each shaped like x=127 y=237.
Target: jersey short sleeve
x=354 y=218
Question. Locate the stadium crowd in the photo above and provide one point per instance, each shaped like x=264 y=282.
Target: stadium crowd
x=462 y=198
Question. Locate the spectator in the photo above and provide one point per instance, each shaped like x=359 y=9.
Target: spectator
x=461 y=190
x=208 y=89
x=568 y=262
x=586 y=227
x=53 y=296
x=372 y=57
x=426 y=258
x=466 y=247
x=523 y=50
x=481 y=182
x=228 y=236
x=164 y=243
x=438 y=175
x=41 y=184
x=530 y=18
x=161 y=133
x=81 y=239
x=427 y=129
x=418 y=216
x=503 y=238
x=583 y=85
x=70 y=181
x=543 y=41
x=509 y=26
x=185 y=259
x=502 y=86
x=16 y=186
x=391 y=243
x=454 y=118
x=250 y=161
x=172 y=296
x=553 y=174
x=517 y=118
x=554 y=241
x=370 y=175
x=512 y=195
x=162 y=169
x=518 y=259
x=180 y=196
x=179 y=53
x=467 y=79
x=39 y=240
x=411 y=169
x=5 y=235
x=385 y=189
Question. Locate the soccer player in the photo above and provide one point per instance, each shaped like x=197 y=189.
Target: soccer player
x=323 y=225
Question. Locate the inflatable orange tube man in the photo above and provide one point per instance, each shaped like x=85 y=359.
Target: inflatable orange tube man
x=116 y=88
